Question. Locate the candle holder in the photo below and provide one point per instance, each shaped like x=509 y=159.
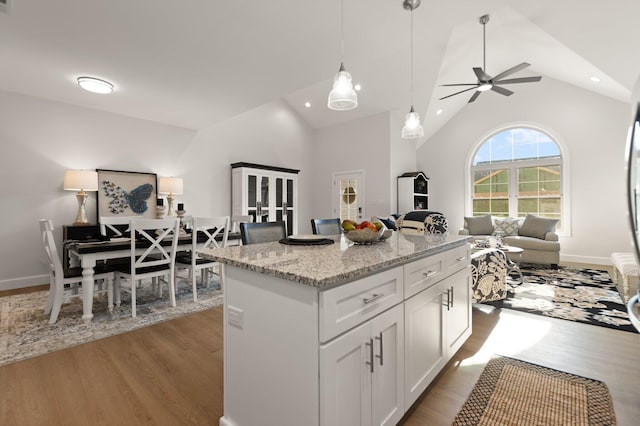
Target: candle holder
x=159 y=212
x=180 y=213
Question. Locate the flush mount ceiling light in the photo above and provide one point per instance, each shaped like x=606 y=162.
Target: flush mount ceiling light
x=95 y=85
x=342 y=97
x=412 y=127
x=595 y=79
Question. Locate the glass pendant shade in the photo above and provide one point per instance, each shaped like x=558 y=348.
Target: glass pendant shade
x=412 y=127
x=342 y=97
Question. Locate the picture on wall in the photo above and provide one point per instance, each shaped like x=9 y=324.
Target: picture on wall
x=123 y=193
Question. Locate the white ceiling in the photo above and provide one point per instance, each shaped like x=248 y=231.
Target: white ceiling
x=195 y=63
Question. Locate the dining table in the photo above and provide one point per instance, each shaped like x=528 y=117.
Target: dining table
x=89 y=253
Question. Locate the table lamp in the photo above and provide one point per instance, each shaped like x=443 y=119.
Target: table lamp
x=81 y=181
x=171 y=186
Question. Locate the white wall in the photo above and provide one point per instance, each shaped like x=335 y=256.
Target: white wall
x=591 y=127
x=39 y=139
x=402 y=156
x=356 y=145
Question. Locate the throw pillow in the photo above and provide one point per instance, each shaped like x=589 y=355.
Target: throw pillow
x=436 y=224
x=508 y=226
x=479 y=225
x=389 y=222
x=537 y=227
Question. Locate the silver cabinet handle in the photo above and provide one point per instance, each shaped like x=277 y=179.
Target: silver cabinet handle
x=448 y=299
x=429 y=273
x=461 y=258
x=370 y=344
x=375 y=296
x=452 y=297
x=381 y=356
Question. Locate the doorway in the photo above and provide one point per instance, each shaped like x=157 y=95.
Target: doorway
x=348 y=195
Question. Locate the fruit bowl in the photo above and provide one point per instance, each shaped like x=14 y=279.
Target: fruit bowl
x=364 y=236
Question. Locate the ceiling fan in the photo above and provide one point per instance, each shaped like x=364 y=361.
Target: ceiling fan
x=485 y=81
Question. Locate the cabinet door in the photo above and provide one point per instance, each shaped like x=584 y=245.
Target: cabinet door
x=258 y=193
x=459 y=310
x=285 y=201
x=345 y=378
x=425 y=351
x=387 y=389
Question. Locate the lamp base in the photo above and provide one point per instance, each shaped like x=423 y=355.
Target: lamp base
x=170 y=201
x=81 y=217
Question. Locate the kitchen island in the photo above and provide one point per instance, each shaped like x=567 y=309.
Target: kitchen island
x=339 y=333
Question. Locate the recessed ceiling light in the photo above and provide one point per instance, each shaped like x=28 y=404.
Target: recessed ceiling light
x=357 y=87
x=438 y=112
x=307 y=104
x=595 y=79
x=95 y=85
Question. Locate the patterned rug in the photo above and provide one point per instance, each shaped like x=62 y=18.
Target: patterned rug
x=588 y=296
x=25 y=331
x=513 y=392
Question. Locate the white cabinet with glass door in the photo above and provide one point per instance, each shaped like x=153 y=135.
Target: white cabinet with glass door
x=265 y=193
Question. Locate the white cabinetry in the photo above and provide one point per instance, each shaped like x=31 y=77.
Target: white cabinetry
x=413 y=192
x=362 y=373
x=266 y=193
x=359 y=353
x=437 y=323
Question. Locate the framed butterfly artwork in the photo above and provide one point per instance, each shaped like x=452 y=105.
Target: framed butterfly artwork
x=123 y=193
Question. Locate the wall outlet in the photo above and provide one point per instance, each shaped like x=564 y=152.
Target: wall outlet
x=235 y=316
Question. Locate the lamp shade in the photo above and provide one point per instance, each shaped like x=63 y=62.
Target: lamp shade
x=342 y=97
x=80 y=180
x=412 y=127
x=170 y=185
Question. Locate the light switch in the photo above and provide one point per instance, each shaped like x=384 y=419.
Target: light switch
x=235 y=316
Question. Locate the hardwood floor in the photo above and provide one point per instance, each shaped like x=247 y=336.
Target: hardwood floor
x=171 y=373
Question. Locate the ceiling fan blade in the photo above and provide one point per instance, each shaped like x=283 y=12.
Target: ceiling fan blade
x=482 y=76
x=512 y=70
x=457 y=93
x=474 y=97
x=501 y=90
x=460 y=84
x=518 y=80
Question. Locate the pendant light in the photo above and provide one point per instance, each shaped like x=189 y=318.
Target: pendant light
x=342 y=96
x=412 y=127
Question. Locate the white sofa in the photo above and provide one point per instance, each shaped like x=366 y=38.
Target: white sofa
x=535 y=235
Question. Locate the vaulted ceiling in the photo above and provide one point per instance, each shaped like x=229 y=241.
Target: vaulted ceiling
x=198 y=62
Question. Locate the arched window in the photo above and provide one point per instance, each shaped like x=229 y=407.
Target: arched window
x=518 y=171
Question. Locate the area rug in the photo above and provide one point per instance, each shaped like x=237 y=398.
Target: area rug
x=588 y=296
x=25 y=331
x=514 y=392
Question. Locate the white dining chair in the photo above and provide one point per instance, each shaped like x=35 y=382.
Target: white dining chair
x=69 y=279
x=237 y=220
x=158 y=238
x=115 y=226
x=205 y=233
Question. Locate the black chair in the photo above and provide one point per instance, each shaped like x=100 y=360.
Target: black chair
x=326 y=226
x=262 y=232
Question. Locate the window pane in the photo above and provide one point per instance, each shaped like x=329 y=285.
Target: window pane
x=537 y=188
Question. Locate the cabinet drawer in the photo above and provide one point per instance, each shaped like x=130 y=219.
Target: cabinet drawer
x=457 y=259
x=346 y=306
x=423 y=273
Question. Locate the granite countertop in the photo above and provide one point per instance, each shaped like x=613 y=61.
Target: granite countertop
x=333 y=264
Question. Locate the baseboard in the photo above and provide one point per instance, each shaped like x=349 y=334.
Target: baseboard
x=24 y=282
x=596 y=260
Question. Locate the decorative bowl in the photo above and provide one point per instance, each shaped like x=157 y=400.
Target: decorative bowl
x=364 y=236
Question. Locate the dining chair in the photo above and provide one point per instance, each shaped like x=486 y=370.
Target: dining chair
x=115 y=226
x=158 y=238
x=70 y=279
x=262 y=232
x=326 y=226
x=205 y=232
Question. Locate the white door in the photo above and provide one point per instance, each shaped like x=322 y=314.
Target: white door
x=459 y=313
x=345 y=379
x=388 y=373
x=348 y=195
x=425 y=352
